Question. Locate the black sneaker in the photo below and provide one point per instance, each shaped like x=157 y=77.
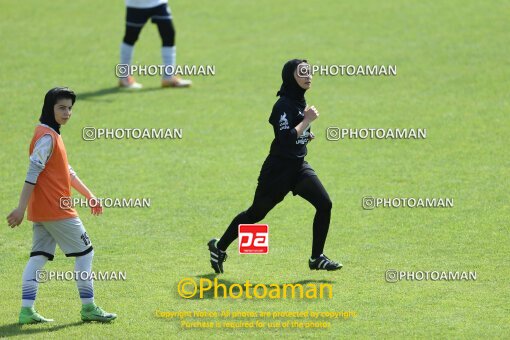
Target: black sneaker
x=323 y=263
x=217 y=256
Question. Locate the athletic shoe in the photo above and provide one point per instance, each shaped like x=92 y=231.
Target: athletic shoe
x=176 y=81
x=129 y=83
x=217 y=256
x=323 y=263
x=91 y=312
x=28 y=315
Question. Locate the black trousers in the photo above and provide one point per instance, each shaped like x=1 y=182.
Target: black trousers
x=277 y=178
x=159 y=15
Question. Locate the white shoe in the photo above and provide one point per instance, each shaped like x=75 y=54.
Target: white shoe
x=176 y=81
x=129 y=83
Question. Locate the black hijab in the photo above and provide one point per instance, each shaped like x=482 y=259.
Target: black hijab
x=290 y=87
x=51 y=98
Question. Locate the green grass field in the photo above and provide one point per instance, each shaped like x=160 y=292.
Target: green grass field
x=453 y=80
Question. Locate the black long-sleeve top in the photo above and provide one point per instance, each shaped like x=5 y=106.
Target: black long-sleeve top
x=286 y=115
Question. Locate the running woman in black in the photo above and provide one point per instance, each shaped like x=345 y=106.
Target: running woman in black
x=286 y=170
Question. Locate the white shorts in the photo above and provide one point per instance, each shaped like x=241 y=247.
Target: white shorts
x=69 y=234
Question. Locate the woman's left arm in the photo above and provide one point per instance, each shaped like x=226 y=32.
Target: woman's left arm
x=94 y=203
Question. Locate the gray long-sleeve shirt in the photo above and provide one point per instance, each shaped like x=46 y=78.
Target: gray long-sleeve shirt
x=40 y=155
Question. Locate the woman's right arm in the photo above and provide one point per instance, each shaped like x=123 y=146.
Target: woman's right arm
x=16 y=216
x=301 y=127
x=286 y=133
x=38 y=159
x=311 y=114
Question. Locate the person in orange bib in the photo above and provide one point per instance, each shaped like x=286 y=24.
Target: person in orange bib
x=47 y=194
